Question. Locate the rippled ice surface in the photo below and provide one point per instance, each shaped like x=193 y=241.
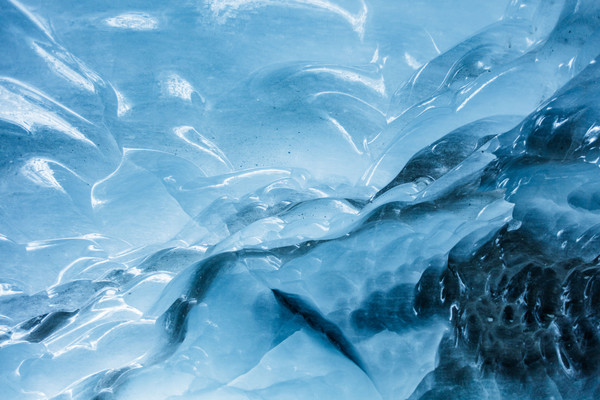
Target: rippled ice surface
x=299 y=199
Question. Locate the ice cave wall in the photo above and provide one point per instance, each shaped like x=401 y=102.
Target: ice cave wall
x=254 y=199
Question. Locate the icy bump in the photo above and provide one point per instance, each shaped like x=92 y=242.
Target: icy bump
x=174 y=85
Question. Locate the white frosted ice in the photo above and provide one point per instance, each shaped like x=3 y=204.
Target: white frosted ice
x=136 y=21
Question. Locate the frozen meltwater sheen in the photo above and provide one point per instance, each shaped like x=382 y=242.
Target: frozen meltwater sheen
x=300 y=199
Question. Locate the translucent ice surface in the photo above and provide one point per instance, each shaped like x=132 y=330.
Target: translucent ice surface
x=300 y=199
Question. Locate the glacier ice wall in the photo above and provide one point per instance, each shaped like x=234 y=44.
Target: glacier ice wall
x=300 y=199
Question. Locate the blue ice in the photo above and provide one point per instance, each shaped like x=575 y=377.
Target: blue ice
x=300 y=199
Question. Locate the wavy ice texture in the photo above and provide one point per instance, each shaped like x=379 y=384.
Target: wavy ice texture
x=303 y=199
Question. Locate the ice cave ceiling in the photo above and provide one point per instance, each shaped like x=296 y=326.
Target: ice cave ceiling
x=299 y=199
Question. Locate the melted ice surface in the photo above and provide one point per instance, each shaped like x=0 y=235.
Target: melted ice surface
x=352 y=199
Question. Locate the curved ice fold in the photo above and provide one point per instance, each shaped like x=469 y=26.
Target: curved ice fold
x=28 y=108
x=357 y=20
x=194 y=138
x=300 y=199
x=64 y=70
